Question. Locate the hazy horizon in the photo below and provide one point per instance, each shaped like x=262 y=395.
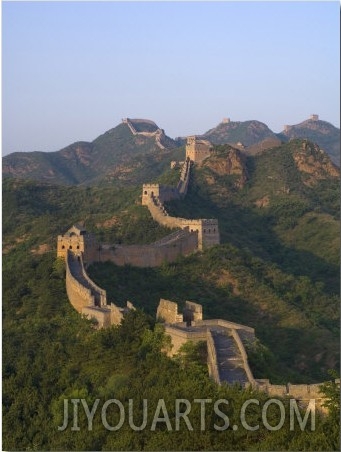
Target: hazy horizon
x=72 y=70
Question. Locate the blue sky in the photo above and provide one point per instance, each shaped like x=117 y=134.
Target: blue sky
x=72 y=70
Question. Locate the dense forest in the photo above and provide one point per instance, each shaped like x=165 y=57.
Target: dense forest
x=276 y=270
x=50 y=354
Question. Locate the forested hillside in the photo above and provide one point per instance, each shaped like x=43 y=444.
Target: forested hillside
x=276 y=270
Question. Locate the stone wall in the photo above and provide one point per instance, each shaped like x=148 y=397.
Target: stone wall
x=79 y=295
x=207 y=229
x=182 y=186
x=154 y=196
x=300 y=392
x=116 y=314
x=100 y=294
x=87 y=297
x=180 y=335
x=180 y=243
x=167 y=311
x=101 y=315
x=201 y=330
x=224 y=324
x=212 y=361
x=84 y=294
x=158 y=134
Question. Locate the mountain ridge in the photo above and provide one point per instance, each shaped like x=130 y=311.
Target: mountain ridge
x=122 y=151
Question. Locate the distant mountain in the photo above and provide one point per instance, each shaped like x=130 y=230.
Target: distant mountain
x=320 y=132
x=137 y=150
x=254 y=136
x=246 y=133
x=124 y=153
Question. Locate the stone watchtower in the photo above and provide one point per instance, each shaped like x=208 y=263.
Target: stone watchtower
x=77 y=240
x=197 y=150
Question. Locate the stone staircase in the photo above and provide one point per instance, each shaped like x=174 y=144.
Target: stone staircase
x=229 y=359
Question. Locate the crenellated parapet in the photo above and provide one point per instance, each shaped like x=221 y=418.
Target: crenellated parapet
x=167 y=311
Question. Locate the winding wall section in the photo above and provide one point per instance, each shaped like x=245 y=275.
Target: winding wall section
x=227 y=358
x=154 y=196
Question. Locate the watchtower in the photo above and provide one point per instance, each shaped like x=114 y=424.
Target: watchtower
x=150 y=191
x=197 y=150
x=77 y=240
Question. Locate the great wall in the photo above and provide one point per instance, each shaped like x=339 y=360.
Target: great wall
x=226 y=341
x=153 y=131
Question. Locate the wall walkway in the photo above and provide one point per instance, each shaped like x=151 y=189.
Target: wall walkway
x=226 y=358
x=229 y=360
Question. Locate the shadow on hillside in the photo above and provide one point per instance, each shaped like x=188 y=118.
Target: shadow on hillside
x=290 y=352
x=245 y=229
x=251 y=231
x=303 y=356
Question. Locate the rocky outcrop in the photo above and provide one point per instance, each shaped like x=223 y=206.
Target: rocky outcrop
x=320 y=132
x=314 y=163
x=233 y=162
